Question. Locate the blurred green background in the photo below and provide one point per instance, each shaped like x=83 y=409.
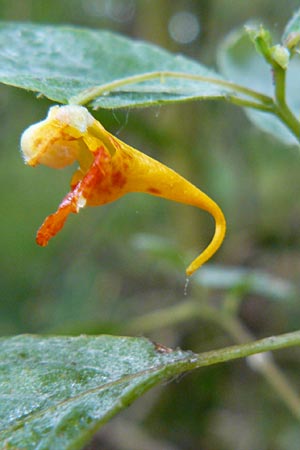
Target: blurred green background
x=116 y=263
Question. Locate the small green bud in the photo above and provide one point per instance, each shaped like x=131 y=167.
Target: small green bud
x=280 y=55
x=262 y=40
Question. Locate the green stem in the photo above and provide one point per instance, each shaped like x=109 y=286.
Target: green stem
x=264 y=102
x=90 y=94
x=278 y=106
x=279 y=75
x=281 y=108
x=291 y=122
x=233 y=352
x=249 y=104
x=234 y=327
x=264 y=364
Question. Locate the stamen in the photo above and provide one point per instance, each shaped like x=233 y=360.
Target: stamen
x=74 y=200
x=54 y=223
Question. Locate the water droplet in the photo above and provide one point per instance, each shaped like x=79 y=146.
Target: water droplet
x=184 y=27
x=157 y=112
x=120 y=11
x=186 y=285
x=81 y=202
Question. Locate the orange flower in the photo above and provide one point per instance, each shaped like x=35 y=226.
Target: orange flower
x=108 y=169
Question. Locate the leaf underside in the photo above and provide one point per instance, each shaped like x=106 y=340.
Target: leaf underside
x=239 y=61
x=59 y=62
x=292 y=29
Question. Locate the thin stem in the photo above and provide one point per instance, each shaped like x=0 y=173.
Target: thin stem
x=241 y=351
x=281 y=108
x=279 y=75
x=210 y=358
x=288 y=118
x=249 y=104
x=90 y=94
x=264 y=102
x=233 y=352
x=264 y=364
x=234 y=327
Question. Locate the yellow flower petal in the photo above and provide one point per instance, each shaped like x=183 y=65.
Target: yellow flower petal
x=108 y=169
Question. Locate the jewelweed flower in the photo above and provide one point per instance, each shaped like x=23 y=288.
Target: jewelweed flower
x=108 y=168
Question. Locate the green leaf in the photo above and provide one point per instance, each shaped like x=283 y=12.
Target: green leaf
x=59 y=62
x=55 y=392
x=291 y=34
x=240 y=62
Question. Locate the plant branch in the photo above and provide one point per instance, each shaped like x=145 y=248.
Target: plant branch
x=281 y=108
x=239 y=101
x=263 y=364
x=279 y=75
x=233 y=352
x=90 y=94
x=263 y=103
